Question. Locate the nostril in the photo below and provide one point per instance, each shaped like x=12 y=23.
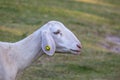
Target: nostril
x=79 y=46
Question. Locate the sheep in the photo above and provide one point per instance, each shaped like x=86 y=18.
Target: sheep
x=50 y=38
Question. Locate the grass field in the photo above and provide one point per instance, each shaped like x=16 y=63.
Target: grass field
x=90 y=20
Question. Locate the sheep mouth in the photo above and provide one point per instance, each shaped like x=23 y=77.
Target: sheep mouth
x=75 y=50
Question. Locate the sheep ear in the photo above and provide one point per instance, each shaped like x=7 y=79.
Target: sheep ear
x=48 y=44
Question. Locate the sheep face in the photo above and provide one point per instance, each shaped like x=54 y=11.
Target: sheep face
x=65 y=40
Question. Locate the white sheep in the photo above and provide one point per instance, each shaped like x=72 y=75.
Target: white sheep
x=50 y=38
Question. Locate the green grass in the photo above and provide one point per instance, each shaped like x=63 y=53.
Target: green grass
x=90 y=20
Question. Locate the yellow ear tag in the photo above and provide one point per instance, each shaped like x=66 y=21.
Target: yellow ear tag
x=47 y=48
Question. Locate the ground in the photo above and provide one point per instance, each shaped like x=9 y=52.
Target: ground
x=112 y=43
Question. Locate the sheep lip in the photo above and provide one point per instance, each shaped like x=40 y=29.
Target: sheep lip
x=75 y=50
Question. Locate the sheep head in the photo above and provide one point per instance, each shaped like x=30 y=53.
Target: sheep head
x=57 y=38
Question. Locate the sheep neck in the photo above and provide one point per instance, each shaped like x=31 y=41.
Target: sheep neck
x=28 y=50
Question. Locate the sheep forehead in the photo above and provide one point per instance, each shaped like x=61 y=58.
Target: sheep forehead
x=57 y=26
x=54 y=22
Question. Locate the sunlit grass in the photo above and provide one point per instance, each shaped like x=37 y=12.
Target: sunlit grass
x=98 y=2
x=10 y=30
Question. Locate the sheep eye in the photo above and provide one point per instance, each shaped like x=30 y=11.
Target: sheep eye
x=57 y=32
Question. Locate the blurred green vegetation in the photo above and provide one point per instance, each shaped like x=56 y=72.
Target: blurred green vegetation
x=90 y=20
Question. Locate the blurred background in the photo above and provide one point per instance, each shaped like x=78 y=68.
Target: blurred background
x=96 y=23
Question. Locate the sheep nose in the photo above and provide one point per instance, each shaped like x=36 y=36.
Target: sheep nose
x=79 y=46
